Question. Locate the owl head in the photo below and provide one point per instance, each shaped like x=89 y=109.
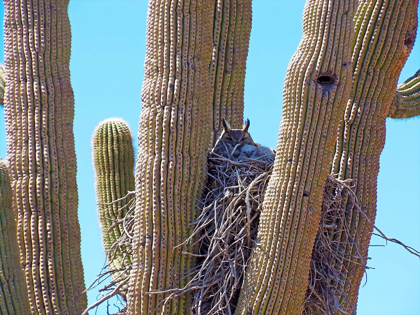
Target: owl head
x=235 y=137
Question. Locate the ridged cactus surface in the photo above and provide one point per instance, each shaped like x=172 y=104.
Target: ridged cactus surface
x=39 y=111
x=174 y=134
x=231 y=32
x=406 y=103
x=13 y=293
x=316 y=89
x=2 y=83
x=385 y=35
x=113 y=159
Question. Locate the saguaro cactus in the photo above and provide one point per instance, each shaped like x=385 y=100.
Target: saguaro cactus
x=174 y=133
x=113 y=158
x=13 y=293
x=39 y=110
x=316 y=89
x=386 y=31
x=183 y=74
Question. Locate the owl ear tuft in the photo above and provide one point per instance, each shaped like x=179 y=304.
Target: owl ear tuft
x=246 y=125
x=226 y=125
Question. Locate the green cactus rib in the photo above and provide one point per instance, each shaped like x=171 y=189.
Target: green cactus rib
x=174 y=133
x=2 y=83
x=231 y=33
x=406 y=103
x=113 y=159
x=385 y=32
x=316 y=89
x=13 y=293
x=39 y=111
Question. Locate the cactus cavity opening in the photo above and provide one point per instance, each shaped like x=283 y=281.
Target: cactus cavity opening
x=409 y=39
x=326 y=79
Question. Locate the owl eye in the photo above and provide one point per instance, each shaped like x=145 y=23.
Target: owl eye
x=229 y=137
x=244 y=138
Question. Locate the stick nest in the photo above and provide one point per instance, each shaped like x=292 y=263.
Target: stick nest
x=225 y=230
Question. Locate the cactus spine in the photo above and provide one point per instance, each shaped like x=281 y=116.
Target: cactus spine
x=174 y=133
x=39 y=111
x=316 y=89
x=13 y=293
x=113 y=159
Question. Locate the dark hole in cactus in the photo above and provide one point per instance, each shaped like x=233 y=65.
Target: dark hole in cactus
x=409 y=40
x=326 y=79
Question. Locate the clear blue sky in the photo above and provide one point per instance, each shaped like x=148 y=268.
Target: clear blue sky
x=107 y=73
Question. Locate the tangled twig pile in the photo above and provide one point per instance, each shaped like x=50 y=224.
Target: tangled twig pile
x=225 y=231
x=329 y=281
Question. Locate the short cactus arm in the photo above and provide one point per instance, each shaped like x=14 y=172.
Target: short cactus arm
x=316 y=89
x=113 y=159
x=39 y=112
x=13 y=292
x=406 y=103
x=174 y=133
x=231 y=32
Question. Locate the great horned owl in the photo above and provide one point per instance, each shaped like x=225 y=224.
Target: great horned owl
x=231 y=140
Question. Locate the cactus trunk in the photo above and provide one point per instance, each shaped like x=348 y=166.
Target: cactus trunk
x=316 y=89
x=39 y=111
x=13 y=293
x=231 y=32
x=174 y=133
x=386 y=31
